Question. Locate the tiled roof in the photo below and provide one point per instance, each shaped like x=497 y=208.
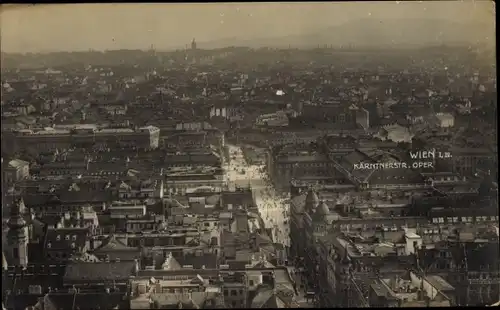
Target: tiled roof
x=357 y=157
x=263 y=264
x=56 y=301
x=50 y=219
x=112 y=244
x=85 y=196
x=17 y=163
x=207 y=260
x=262 y=298
x=195 y=300
x=67 y=239
x=99 y=271
x=171 y=263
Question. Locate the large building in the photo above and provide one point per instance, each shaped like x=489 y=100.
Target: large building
x=278 y=119
x=291 y=161
x=328 y=116
x=395 y=247
x=198 y=249
x=50 y=139
x=335 y=159
x=185 y=180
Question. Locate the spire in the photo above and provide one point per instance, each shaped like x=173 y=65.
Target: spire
x=17 y=235
x=16 y=220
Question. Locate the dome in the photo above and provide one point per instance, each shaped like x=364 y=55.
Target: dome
x=323 y=209
x=320 y=212
x=312 y=200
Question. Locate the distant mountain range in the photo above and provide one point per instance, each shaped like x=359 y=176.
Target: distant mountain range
x=373 y=33
x=377 y=33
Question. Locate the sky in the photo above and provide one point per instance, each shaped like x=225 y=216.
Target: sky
x=72 y=27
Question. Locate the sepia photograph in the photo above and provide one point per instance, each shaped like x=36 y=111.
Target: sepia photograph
x=249 y=155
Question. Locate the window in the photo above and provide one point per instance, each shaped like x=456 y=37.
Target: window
x=234 y=293
x=73 y=245
x=58 y=238
x=206 y=224
x=225 y=293
x=66 y=237
x=49 y=245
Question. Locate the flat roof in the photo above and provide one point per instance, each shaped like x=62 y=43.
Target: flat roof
x=115 y=130
x=51 y=132
x=411 y=235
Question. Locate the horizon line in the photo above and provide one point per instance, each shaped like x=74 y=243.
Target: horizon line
x=295 y=47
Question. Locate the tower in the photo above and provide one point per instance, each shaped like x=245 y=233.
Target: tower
x=312 y=201
x=17 y=235
x=193 y=44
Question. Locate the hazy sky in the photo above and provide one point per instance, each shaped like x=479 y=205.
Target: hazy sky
x=137 y=26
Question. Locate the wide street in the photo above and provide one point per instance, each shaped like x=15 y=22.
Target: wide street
x=272 y=208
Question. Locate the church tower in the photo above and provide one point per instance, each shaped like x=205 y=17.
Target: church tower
x=193 y=45
x=17 y=236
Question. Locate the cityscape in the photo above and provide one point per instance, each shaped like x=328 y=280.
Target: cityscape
x=282 y=172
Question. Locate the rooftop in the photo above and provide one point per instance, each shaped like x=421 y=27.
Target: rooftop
x=85 y=271
x=17 y=163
